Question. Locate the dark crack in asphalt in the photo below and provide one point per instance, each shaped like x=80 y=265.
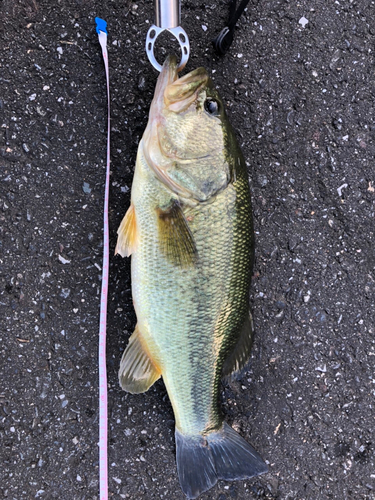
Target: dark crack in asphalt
x=298 y=83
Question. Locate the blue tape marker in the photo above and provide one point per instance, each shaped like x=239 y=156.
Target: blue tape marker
x=101 y=25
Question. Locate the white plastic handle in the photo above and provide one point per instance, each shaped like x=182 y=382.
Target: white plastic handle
x=180 y=35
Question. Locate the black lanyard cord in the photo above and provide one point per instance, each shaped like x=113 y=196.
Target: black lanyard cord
x=225 y=38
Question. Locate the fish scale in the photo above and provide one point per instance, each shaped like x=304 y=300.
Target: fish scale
x=166 y=289
x=199 y=296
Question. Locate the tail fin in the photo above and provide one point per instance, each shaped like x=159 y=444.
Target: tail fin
x=195 y=465
x=203 y=460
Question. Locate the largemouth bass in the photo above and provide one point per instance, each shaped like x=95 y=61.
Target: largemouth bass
x=189 y=232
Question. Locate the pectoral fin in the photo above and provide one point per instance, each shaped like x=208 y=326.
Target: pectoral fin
x=137 y=370
x=127 y=234
x=176 y=240
x=239 y=356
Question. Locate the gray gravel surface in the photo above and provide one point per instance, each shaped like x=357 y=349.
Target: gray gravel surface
x=301 y=96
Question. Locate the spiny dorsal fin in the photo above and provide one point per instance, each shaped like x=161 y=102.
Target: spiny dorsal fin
x=137 y=371
x=127 y=234
x=176 y=241
x=239 y=356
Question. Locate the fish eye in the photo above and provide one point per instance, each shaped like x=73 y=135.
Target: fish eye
x=212 y=106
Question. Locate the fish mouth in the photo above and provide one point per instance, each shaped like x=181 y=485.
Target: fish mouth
x=168 y=76
x=174 y=92
x=182 y=92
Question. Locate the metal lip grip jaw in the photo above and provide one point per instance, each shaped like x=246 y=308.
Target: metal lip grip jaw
x=167 y=17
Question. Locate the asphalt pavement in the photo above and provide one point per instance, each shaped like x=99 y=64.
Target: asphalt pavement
x=298 y=84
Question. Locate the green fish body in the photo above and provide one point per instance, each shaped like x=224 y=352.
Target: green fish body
x=189 y=231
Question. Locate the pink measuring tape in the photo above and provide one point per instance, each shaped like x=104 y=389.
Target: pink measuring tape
x=103 y=397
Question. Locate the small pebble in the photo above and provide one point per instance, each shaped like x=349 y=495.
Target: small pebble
x=63 y=261
x=86 y=188
x=339 y=189
x=65 y=292
x=263 y=181
x=321 y=317
x=142 y=83
x=322 y=369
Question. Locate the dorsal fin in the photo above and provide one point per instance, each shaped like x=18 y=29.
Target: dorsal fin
x=137 y=370
x=175 y=238
x=127 y=234
x=239 y=356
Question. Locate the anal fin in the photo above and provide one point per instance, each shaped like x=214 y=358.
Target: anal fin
x=127 y=234
x=175 y=238
x=137 y=371
x=239 y=356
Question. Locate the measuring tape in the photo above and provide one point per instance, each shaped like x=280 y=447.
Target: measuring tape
x=101 y=26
